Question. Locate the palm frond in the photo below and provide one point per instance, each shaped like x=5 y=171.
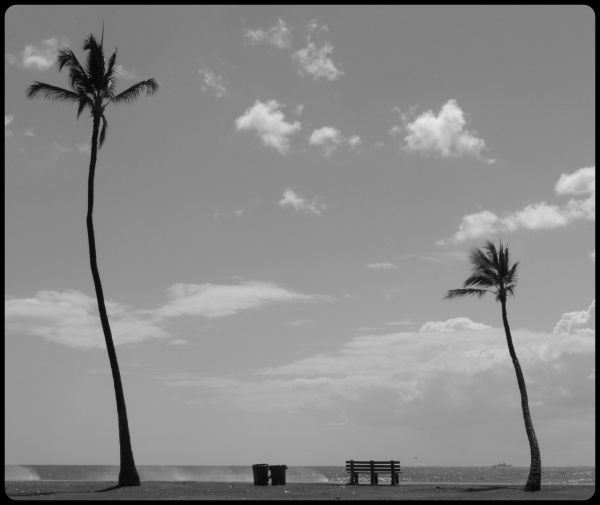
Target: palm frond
x=479 y=279
x=150 y=86
x=95 y=61
x=66 y=58
x=492 y=253
x=512 y=274
x=84 y=102
x=456 y=293
x=50 y=92
x=109 y=76
x=102 y=131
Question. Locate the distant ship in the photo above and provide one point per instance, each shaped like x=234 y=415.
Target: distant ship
x=501 y=465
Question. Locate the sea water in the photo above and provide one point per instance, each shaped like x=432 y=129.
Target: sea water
x=302 y=474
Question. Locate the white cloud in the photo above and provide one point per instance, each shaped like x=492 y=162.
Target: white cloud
x=423 y=380
x=71 y=318
x=473 y=226
x=215 y=300
x=42 y=57
x=83 y=147
x=452 y=325
x=445 y=134
x=329 y=139
x=301 y=204
x=268 y=121
x=302 y=322
x=122 y=72
x=314 y=28
x=279 y=35
x=536 y=216
x=212 y=81
x=179 y=341
x=354 y=141
x=580 y=182
x=583 y=321
x=57 y=150
x=317 y=62
x=385 y=265
x=8 y=118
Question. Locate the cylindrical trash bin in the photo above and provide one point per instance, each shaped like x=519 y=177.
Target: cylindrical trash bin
x=261 y=474
x=278 y=475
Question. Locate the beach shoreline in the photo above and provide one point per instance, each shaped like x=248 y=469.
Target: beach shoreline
x=194 y=490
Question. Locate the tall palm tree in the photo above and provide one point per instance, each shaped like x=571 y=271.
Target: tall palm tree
x=93 y=88
x=493 y=273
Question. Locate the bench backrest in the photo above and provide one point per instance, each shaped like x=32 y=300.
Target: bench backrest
x=367 y=466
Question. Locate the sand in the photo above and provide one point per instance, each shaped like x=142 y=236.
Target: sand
x=161 y=490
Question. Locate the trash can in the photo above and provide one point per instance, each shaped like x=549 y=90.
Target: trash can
x=261 y=474
x=278 y=475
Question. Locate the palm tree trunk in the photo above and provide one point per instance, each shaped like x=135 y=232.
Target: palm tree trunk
x=534 y=480
x=128 y=475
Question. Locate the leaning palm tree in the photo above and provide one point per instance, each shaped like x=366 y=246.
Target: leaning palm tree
x=493 y=273
x=93 y=88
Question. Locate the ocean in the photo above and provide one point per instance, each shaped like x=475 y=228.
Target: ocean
x=571 y=475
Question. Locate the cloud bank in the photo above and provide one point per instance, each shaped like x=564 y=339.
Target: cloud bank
x=537 y=216
x=70 y=318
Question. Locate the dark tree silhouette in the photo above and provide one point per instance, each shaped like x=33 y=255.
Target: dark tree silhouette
x=93 y=88
x=492 y=273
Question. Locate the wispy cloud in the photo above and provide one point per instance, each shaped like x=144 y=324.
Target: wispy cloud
x=41 y=57
x=83 y=147
x=267 y=120
x=445 y=134
x=385 y=265
x=122 y=72
x=329 y=139
x=292 y=199
x=536 y=216
x=8 y=118
x=278 y=35
x=216 y=300
x=213 y=82
x=71 y=318
x=578 y=322
x=452 y=325
x=314 y=60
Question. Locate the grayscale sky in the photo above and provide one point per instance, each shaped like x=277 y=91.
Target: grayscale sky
x=278 y=225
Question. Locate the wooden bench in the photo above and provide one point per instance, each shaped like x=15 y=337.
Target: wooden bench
x=354 y=467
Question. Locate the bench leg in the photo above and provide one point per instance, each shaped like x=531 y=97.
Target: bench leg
x=353 y=479
x=395 y=479
x=374 y=479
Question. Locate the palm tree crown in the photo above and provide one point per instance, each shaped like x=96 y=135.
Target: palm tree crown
x=92 y=86
x=491 y=273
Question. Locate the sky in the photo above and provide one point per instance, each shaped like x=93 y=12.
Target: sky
x=278 y=225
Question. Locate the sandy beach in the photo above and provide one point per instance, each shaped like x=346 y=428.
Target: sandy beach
x=160 y=490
